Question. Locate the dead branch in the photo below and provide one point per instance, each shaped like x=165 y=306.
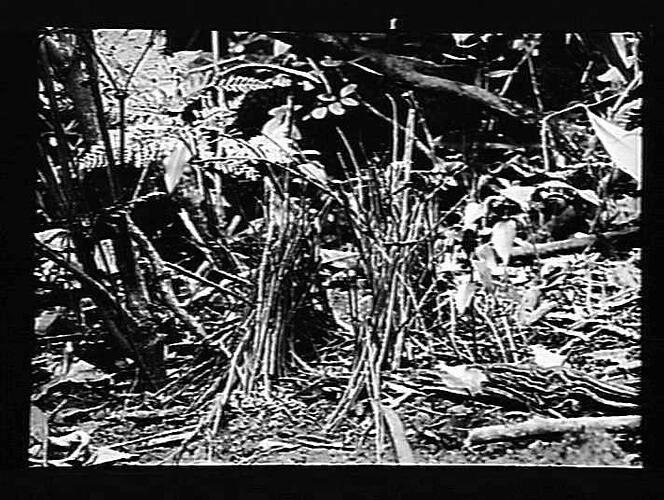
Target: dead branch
x=572 y=244
x=415 y=73
x=543 y=426
x=164 y=281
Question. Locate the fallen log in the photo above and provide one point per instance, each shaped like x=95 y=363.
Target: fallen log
x=544 y=426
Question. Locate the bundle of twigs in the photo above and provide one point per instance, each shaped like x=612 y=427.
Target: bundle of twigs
x=286 y=280
x=394 y=228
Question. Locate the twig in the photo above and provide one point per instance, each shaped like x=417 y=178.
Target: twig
x=535 y=85
x=219 y=287
x=420 y=145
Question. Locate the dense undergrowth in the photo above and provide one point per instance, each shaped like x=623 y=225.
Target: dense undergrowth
x=318 y=248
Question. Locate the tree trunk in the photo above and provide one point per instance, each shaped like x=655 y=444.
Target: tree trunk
x=131 y=326
x=67 y=52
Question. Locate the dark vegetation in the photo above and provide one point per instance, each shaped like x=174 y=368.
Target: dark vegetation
x=336 y=247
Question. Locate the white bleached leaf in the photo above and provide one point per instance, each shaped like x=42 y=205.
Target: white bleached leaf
x=464 y=294
x=471 y=213
x=589 y=195
x=105 y=455
x=487 y=254
x=449 y=265
x=623 y=146
x=348 y=90
x=319 y=113
x=75 y=438
x=280 y=48
x=500 y=73
x=174 y=165
x=336 y=108
x=269 y=444
x=339 y=259
x=544 y=358
x=276 y=128
x=83 y=372
x=519 y=194
x=612 y=75
x=462 y=377
x=314 y=171
x=502 y=238
x=484 y=273
x=349 y=101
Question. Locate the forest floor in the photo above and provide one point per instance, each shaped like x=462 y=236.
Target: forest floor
x=288 y=427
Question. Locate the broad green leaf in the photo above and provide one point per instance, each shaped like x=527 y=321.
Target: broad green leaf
x=349 y=101
x=502 y=238
x=347 y=90
x=330 y=63
x=319 y=113
x=336 y=108
x=327 y=98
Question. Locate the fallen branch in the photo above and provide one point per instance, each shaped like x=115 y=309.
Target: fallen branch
x=570 y=245
x=543 y=426
x=418 y=74
x=164 y=282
